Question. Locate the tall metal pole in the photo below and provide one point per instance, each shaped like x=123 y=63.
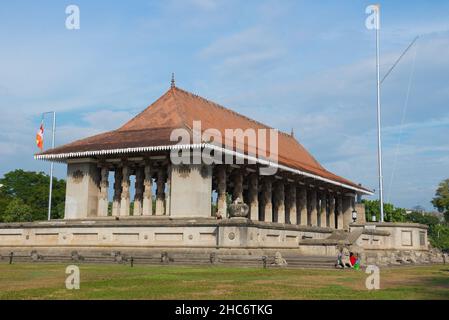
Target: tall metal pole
x=51 y=166
x=379 y=140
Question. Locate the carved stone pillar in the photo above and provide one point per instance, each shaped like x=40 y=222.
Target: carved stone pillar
x=361 y=212
x=292 y=210
x=331 y=211
x=238 y=186
x=301 y=206
x=323 y=211
x=267 y=199
x=290 y=204
x=138 y=198
x=279 y=201
x=312 y=219
x=125 y=201
x=347 y=211
x=221 y=191
x=118 y=177
x=340 y=212
x=103 y=201
x=147 y=209
x=168 y=191
x=253 y=196
x=160 y=193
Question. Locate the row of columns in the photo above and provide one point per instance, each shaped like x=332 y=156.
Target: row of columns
x=275 y=200
x=143 y=199
x=270 y=199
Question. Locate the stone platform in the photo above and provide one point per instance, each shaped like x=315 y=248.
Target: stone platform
x=236 y=241
x=157 y=232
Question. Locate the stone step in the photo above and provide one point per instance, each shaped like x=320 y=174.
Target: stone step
x=182 y=258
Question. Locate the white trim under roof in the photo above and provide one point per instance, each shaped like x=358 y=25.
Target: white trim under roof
x=60 y=157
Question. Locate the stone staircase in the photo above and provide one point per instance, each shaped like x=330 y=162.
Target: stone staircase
x=338 y=237
x=176 y=258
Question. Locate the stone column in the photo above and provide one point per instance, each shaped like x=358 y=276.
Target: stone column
x=103 y=200
x=347 y=211
x=147 y=209
x=267 y=199
x=238 y=186
x=83 y=190
x=221 y=191
x=301 y=206
x=125 y=201
x=253 y=197
x=279 y=202
x=191 y=191
x=361 y=212
x=312 y=212
x=160 y=193
x=323 y=211
x=138 y=198
x=331 y=211
x=168 y=191
x=118 y=177
x=340 y=212
x=291 y=204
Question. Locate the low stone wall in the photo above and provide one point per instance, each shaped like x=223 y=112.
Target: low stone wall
x=391 y=236
x=148 y=239
x=389 y=244
x=402 y=257
x=157 y=232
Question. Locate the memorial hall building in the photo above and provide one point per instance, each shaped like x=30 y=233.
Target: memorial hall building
x=299 y=192
x=126 y=193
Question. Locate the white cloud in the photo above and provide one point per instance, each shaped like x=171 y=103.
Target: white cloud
x=241 y=42
x=205 y=4
x=107 y=119
x=253 y=47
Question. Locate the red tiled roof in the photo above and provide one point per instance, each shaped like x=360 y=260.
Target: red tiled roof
x=179 y=109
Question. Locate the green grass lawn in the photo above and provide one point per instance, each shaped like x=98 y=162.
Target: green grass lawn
x=47 y=281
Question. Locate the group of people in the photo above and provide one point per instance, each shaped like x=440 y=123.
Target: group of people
x=347 y=259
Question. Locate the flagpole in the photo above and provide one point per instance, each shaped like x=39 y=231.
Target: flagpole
x=379 y=140
x=51 y=165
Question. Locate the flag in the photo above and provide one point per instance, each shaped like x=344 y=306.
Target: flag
x=40 y=137
x=373 y=20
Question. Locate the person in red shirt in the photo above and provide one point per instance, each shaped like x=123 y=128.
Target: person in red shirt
x=352 y=259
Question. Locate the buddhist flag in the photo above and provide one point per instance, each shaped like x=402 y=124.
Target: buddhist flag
x=373 y=20
x=40 y=137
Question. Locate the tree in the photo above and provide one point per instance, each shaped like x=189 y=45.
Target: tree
x=17 y=211
x=392 y=214
x=4 y=201
x=32 y=189
x=441 y=200
x=427 y=219
x=438 y=233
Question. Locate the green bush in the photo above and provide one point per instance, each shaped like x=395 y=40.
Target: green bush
x=17 y=211
x=31 y=188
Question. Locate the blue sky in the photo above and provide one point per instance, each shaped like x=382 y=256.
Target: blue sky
x=307 y=65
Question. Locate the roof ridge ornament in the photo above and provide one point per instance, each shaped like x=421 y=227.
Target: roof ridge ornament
x=173 y=83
